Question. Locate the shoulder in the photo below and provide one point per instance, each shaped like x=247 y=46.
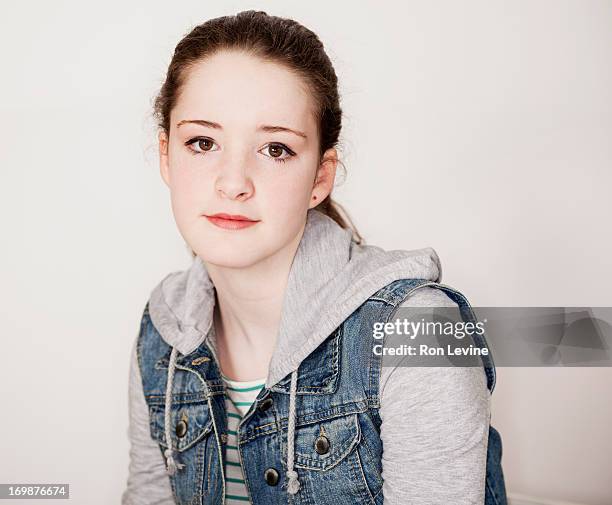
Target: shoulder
x=149 y=348
x=148 y=340
x=418 y=292
x=402 y=381
x=428 y=296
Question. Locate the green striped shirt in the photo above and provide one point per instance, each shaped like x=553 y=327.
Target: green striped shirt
x=240 y=396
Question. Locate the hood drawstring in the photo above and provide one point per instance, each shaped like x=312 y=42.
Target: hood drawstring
x=294 y=484
x=172 y=465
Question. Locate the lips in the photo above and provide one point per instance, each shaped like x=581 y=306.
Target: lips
x=232 y=217
x=231 y=221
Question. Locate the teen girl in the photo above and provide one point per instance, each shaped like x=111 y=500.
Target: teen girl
x=253 y=378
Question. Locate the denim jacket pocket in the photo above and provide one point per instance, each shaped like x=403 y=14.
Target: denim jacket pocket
x=189 y=423
x=322 y=445
x=328 y=460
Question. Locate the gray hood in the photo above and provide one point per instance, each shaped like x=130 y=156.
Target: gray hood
x=330 y=277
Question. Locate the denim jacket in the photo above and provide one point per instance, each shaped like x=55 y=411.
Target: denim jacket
x=311 y=438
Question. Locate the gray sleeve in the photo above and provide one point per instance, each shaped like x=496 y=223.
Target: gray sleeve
x=147 y=483
x=435 y=426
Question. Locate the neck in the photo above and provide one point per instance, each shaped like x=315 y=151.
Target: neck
x=248 y=306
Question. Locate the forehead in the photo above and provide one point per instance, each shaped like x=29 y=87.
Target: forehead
x=240 y=91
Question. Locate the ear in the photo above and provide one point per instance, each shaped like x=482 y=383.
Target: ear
x=163 y=157
x=325 y=176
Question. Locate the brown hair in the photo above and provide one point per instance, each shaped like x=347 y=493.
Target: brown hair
x=270 y=38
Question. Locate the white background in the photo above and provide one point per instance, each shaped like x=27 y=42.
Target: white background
x=480 y=128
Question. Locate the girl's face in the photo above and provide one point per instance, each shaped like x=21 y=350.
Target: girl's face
x=243 y=140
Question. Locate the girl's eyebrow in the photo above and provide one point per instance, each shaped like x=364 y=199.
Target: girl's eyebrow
x=265 y=128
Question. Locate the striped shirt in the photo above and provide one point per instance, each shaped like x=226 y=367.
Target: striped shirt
x=240 y=396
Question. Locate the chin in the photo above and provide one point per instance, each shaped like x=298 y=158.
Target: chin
x=229 y=257
x=236 y=249
x=230 y=263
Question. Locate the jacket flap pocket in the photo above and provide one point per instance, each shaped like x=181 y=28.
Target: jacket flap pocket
x=189 y=422
x=324 y=444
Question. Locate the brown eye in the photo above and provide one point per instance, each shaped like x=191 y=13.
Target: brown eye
x=275 y=150
x=200 y=145
x=204 y=144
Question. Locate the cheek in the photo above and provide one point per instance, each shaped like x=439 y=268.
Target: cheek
x=289 y=192
x=283 y=206
x=188 y=203
x=188 y=186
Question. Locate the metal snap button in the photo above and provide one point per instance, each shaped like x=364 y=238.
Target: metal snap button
x=266 y=404
x=322 y=444
x=181 y=428
x=223 y=438
x=271 y=476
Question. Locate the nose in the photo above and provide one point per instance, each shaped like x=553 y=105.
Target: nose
x=234 y=184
